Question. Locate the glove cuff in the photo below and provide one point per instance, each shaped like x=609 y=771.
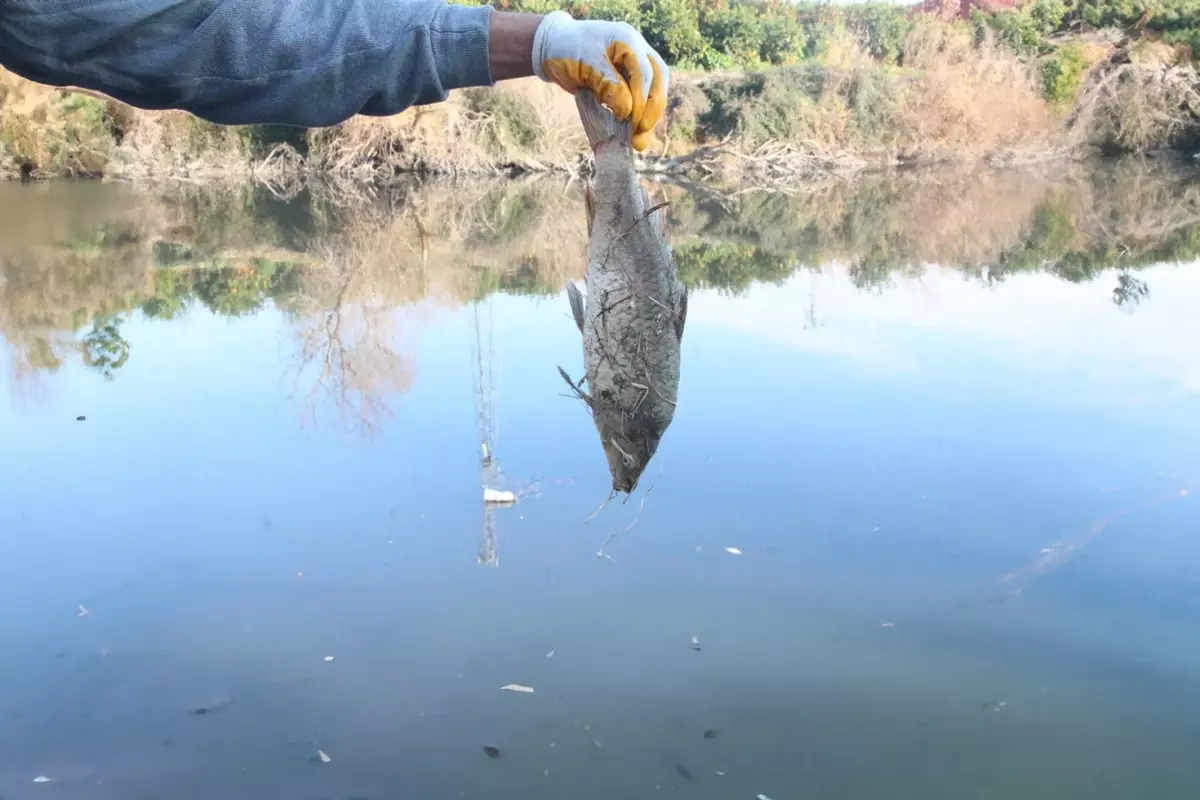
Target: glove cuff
x=542 y=37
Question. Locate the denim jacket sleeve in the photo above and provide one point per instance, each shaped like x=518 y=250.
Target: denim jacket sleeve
x=292 y=62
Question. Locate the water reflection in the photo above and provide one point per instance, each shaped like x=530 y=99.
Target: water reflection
x=888 y=447
x=77 y=261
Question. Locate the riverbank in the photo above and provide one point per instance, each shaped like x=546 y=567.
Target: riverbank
x=956 y=98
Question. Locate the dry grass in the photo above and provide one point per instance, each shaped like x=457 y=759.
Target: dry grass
x=527 y=124
x=973 y=99
x=1136 y=108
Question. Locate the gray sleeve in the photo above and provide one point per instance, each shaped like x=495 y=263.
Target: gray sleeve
x=292 y=62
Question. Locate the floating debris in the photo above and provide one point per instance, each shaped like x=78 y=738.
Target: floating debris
x=733 y=551
x=722 y=774
x=328 y=658
x=43 y=779
x=887 y=625
x=80 y=418
x=550 y=654
x=516 y=687
x=83 y=612
x=299 y=574
x=684 y=772
x=325 y=759
x=499 y=497
x=695 y=645
x=492 y=752
x=212 y=708
x=710 y=734
x=762 y=797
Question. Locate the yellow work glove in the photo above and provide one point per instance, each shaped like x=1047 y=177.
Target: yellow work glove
x=612 y=60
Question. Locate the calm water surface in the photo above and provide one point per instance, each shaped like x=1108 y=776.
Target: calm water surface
x=951 y=424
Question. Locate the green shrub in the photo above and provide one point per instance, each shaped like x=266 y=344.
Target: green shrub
x=1063 y=72
x=515 y=123
x=736 y=32
x=883 y=29
x=672 y=27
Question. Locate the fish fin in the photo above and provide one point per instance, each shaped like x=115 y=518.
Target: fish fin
x=580 y=393
x=589 y=205
x=681 y=313
x=576 y=298
x=599 y=123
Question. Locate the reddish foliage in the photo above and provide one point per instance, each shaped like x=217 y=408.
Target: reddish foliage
x=961 y=9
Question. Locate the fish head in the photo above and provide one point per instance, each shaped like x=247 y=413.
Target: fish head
x=630 y=441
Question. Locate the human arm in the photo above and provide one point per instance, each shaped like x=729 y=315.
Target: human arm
x=309 y=63
x=314 y=63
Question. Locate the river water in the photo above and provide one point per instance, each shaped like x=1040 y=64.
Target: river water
x=923 y=525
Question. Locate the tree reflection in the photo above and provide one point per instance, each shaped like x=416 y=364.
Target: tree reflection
x=346 y=352
x=103 y=348
x=355 y=275
x=1130 y=291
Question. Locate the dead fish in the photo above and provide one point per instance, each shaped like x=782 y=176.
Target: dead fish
x=632 y=321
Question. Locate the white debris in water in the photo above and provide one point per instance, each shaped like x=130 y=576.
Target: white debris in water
x=43 y=779
x=550 y=654
x=329 y=658
x=1000 y=705
x=498 y=496
x=762 y=797
x=888 y=625
x=695 y=641
x=733 y=551
x=325 y=759
x=83 y=612
x=722 y=774
x=516 y=687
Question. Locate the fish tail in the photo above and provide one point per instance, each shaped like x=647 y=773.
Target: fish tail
x=599 y=123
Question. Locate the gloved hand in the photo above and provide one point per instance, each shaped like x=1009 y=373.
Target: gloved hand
x=600 y=56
